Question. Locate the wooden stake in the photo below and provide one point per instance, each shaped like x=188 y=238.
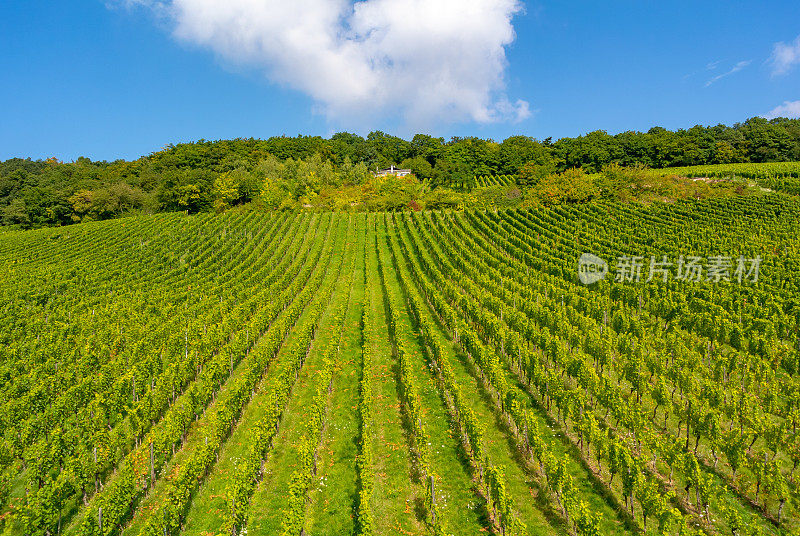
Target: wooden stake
x=433 y=499
x=152 y=465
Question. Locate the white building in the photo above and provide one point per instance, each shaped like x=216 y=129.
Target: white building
x=392 y=171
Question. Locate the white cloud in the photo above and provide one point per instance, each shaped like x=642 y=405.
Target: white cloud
x=735 y=69
x=789 y=109
x=785 y=57
x=426 y=60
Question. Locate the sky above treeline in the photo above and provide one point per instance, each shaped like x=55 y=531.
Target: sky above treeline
x=122 y=78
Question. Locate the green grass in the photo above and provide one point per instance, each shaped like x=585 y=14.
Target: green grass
x=207 y=509
x=614 y=521
x=531 y=502
x=194 y=438
x=332 y=502
x=271 y=496
x=394 y=492
x=207 y=515
x=459 y=504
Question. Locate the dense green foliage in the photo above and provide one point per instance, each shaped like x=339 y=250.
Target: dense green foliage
x=335 y=173
x=155 y=363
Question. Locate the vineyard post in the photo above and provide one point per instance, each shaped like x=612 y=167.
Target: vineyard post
x=100 y=519
x=152 y=465
x=527 y=443
x=433 y=499
x=233 y=527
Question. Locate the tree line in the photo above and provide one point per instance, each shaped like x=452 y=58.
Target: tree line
x=289 y=172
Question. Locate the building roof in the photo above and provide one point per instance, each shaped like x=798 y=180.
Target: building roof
x=392 y=171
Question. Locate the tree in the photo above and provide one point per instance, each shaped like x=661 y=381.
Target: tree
x=766 y=141
x=419 y=166
x=451 y=173
x=226 y=191
x=519 y=151
x=427 y=147
x=390 y=149
x=725 y=153
x=189 y=190
x=533 y=172
x=569 y=187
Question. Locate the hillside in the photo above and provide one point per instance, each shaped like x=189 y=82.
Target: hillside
x=440 y=372
x=311 y=172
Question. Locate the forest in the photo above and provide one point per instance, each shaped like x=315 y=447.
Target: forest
x=337 y=173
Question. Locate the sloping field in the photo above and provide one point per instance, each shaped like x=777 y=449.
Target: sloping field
x=778 y=176
x=406 y=373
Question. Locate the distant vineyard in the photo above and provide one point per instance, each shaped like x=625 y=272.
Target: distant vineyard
x=495 y=180
x=484 y=181
x=403 y=373
x=778 y=176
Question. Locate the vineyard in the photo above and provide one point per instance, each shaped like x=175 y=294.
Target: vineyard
x=272 y=373
x=484 y=181
x=778 y=176
x=496 y=180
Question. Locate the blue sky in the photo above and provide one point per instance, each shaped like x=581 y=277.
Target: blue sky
x=114 y=80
